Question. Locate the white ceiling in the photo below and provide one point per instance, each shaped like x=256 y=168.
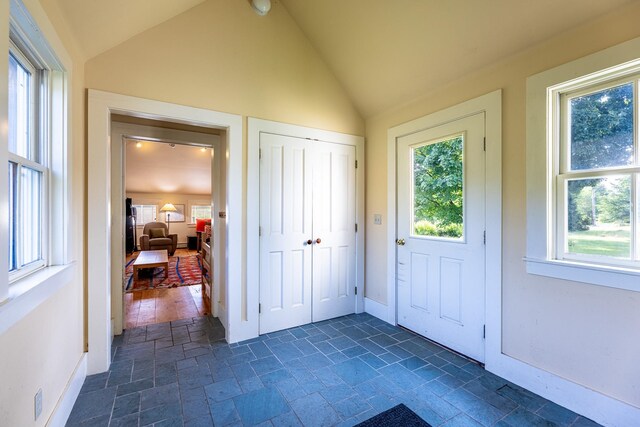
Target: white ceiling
x=158 y=168
x=384 y=52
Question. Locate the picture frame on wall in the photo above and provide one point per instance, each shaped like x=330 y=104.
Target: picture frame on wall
x=177 y=216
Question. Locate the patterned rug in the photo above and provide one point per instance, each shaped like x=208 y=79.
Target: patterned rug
x=183 y=271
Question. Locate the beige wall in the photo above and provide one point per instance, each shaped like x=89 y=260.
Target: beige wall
x=44 y=348
x=220 y=55
x=581 y=332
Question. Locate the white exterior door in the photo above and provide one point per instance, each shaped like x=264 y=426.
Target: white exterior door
x=441 y=225
x=307 y=231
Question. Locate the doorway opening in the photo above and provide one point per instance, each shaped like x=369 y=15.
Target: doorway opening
x=169 y=202
x=169 y=188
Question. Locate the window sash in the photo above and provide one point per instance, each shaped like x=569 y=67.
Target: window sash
x=29 y=190
x=561 y=167
x=37 y=85
x=18 y=244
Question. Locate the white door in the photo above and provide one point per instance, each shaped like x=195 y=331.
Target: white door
x=334 y=234
x=307 y=231
x=285 y=228
x=441 y=225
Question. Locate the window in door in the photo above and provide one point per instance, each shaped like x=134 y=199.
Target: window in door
x=438 y=178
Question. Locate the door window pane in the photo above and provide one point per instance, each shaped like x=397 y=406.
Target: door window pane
x=19 y=113
x=599 y=216
x=31 y=216
x=438 y=188
x=602 y=128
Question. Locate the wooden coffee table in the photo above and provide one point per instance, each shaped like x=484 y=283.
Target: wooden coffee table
x=151 y=259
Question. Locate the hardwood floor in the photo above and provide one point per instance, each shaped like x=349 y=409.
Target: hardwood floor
x=164 y=305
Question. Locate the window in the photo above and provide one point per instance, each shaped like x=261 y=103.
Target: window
x=598 y=174
x=583 y=169
x=145 y=214
x=200 y=212
x=28 y=166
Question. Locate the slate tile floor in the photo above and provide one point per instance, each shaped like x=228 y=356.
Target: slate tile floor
x=337 y=372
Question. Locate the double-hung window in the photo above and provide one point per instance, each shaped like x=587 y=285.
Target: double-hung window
x=200 y=212
x=598 y=173
x=583 y=169
x=145 y=214
x=28 y=163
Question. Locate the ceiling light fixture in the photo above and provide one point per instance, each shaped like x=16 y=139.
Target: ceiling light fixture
x=203 y=149
x=261 y=7
x=138 y=144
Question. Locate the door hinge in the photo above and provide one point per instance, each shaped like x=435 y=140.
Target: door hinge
x=356 y=290
x=260 y=153
x=484 y=331
x=356 y=227
x=484 y=237
x=484 y=144
x=259 y=308
x=356 y=164
x=259 y=231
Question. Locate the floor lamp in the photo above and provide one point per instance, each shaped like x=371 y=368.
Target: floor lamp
x=168 y=208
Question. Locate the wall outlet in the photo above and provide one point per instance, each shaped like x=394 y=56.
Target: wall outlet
x=377 y=219
x=37 y=402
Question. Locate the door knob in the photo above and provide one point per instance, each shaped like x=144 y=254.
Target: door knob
x=400 y=242
x=318 y=240
x=308 y=242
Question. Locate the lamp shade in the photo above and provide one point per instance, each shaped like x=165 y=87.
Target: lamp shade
x=168 y=207
x=262 y=7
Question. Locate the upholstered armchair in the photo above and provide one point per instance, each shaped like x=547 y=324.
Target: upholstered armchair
x=155 y=237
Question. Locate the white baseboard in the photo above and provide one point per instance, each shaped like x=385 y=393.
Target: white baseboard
x=65 y=404
x=582 y=400
x=376 y=309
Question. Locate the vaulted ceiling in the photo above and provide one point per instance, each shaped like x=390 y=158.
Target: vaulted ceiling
x=384 y=52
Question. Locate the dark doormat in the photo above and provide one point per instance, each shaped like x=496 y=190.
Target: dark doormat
x=399 y=415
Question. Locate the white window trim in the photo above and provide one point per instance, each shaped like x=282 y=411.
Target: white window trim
x=26 y=293
x=542 y=88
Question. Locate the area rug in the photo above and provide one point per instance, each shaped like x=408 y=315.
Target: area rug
x=183 y=271
x=397 y=416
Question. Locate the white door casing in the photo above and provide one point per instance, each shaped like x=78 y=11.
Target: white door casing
x=307 y=231
x=440 y=280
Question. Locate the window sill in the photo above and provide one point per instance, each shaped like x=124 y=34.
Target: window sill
x=612 y=277
x=26 y=294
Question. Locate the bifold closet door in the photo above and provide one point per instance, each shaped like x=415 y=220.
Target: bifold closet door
x=307 y=231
